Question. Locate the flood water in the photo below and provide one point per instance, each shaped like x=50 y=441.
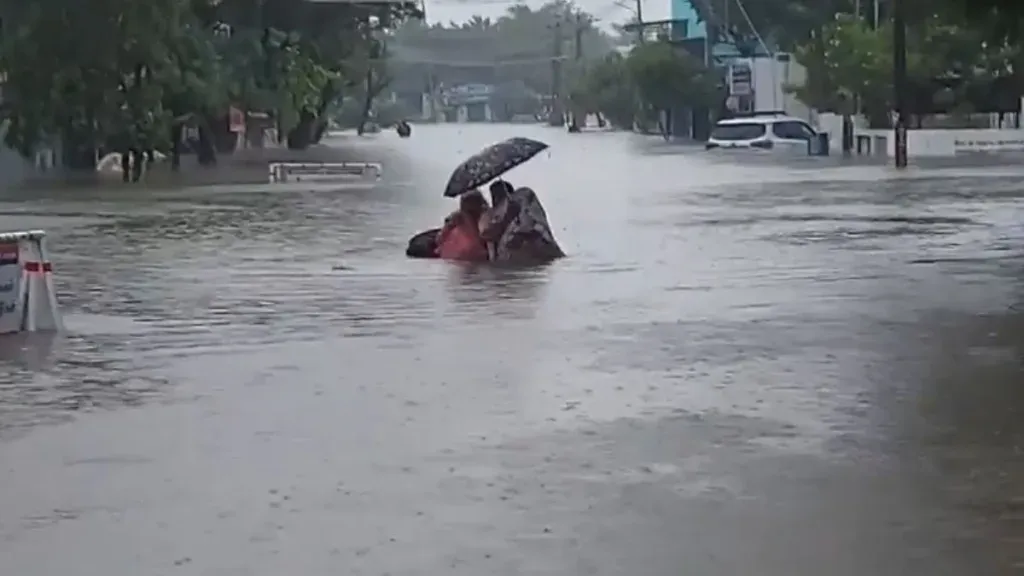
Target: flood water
x=747 y=365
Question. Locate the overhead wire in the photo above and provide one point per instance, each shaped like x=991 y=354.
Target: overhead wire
x=753 y=29
x=764 y=46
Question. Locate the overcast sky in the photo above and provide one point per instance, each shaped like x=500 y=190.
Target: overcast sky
x=606 y=10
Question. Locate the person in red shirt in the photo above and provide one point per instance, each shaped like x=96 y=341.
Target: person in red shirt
x=459 y=238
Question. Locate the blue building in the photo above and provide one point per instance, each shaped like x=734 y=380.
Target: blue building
x=686 y=22
x=696 y=28
x=468 y=103
x=694 y=23
x=689 y=31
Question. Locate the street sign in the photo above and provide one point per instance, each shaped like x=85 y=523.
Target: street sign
x=740 y=80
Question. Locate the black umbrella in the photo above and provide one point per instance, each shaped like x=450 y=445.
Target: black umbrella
x=490 y=163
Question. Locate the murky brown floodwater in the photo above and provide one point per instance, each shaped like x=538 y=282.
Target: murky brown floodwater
x=745 y=367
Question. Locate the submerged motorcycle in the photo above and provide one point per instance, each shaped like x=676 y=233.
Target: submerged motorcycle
x=423 y=245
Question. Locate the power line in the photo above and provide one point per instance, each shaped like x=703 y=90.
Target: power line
x=750 y=23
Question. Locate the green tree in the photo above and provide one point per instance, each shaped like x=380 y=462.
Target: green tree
x=369 y=74
x=1001 y=21
x=606 y=89
x=133 y=72
x=667 y=77
x=845 y=60
x=319 y=48
x=653 y=76
x=102 y=84
x=947 y=61
x=514 y=49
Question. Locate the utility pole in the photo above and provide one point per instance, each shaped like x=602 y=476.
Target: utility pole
x=432 y=100
x=574 y=121
x=579 y=38
x=556 y=117
x=849 y=109
x=639 y=21
x=899 y=81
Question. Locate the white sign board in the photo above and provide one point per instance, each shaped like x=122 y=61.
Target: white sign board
x=10 y=288
x=997 y=141
x=740 y=80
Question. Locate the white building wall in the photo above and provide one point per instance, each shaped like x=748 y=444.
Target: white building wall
x=769 y=77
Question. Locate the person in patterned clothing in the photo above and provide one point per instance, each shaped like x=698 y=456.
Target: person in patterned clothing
x=516 y=228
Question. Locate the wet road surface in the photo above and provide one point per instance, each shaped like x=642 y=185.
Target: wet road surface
x=746 y=366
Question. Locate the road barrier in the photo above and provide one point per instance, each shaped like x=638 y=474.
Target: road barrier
x=278 y=172
x=28 y=301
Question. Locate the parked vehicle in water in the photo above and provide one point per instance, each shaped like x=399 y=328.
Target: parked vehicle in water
x=766 y=131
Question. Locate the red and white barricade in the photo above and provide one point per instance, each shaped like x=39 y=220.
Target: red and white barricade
x=28 y=301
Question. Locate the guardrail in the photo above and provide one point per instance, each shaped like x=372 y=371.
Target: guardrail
x=279 y=172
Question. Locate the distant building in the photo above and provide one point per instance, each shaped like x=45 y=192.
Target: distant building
x=468 y=103
x=686 y=21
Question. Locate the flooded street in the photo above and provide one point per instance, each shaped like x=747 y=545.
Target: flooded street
x=746 y=366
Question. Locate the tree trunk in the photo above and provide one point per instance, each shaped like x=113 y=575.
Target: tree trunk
x=327 y=95
x=300 y=137
x=207 y=152
x=1018 y=72
x=224 y=140
x=176 y=131
x=364 y=117
x=126 y=165
x=138 y=164
x=77 y=150
x=321 y=130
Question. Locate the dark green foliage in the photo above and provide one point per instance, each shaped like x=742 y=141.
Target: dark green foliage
x=122 y=74
x=959 y=51
x=510 y=51
x=654 y=76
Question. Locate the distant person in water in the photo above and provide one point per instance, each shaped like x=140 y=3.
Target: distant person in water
x=516 y=228
x=459 y=238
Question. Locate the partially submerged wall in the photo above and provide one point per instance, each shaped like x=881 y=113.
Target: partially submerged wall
x=16 y=170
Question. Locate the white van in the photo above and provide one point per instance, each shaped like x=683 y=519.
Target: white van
x=766 y=131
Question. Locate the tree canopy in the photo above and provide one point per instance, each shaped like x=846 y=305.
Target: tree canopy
x=133 y=72
x=652 y=76
x=514 y=49
x=961 y=56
